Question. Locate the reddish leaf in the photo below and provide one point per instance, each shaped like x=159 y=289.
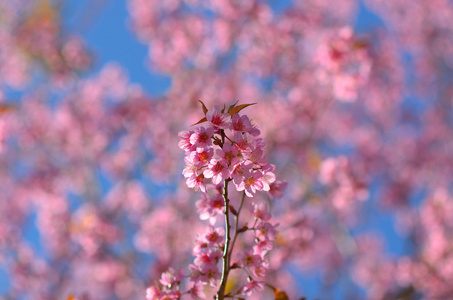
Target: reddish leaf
x=234 y=266
x=6 y=108
x=233 y=210
x=232 y=106
x=205 y=110
x=360 y=44
x=237 y=109
x=201 y=121
x=244 y=228
x=280 y=295
x=217 y=141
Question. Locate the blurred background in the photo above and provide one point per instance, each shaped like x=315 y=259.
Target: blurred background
x=353 y=101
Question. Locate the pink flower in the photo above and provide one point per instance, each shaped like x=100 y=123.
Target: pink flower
x=196 y=291
x=259 y=271
x=203 y=259
x=346 y=87
x=249 y=259
x=207 y=258
x=276 y=189
x=214 y=236
x=171 y=277
x=257 y=157
x=201 y=156
x=196 y=182
x=239 y=172
x=173 y=295
x=241 y=141
x=263 y=247
x=229 y=153
x=243 y=124
x=210 y=208
x=251 y=184
x=266 y=231
x=190 y=168
x=267 y=179
x=252 y=286
x=217 y=170
x=200 y=246
x=210 y=274
x=185 y=143
x=152 y=293
x=217 y=118
x=331 y=169
x=261 y=212
x=195 y=272
x=201 y=138
x=258 y=143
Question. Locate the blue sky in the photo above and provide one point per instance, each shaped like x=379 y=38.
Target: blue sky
x=108 y=35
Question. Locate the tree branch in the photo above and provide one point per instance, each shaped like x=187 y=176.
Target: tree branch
x=226 y=266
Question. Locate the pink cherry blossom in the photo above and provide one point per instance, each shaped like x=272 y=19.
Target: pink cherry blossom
x=171 y=277
x=252 y=287
x=276 y=189
x=249 y=259
x=196 y=291
x=251 y=184
x=228 y=153
x=214 y=236
x=217 y=118
x=152 y=293
x=201 y=138
x=185 y=143
x=243 y=124
x=217 y=170
x=210 y=207
x=261 y=212
x=196 y=182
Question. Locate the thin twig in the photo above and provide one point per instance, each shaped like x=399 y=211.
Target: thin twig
x=236 y=227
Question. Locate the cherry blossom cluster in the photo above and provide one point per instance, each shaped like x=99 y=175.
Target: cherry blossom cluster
x=346 y=63
x=227 y=149
x=254 y=260
x=347 y=185
x=169 y=287
x=208 y=252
